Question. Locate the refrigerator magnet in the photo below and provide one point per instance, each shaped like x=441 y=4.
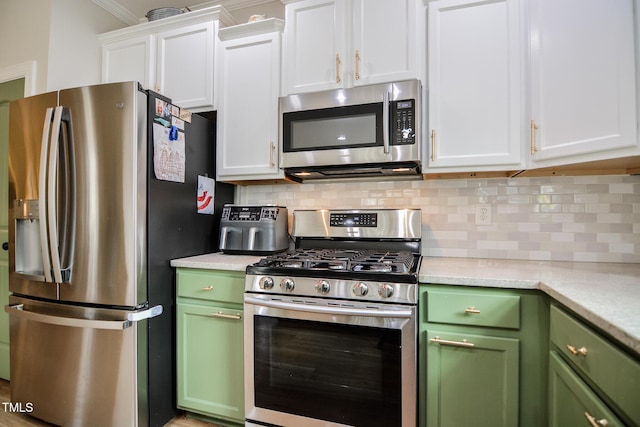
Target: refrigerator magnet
x=168 y=154
x=206 y=188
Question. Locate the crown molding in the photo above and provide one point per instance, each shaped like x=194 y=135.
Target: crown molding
x=129 y=18
x=119 y=11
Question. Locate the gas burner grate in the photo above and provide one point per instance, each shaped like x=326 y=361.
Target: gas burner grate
x=343 y=260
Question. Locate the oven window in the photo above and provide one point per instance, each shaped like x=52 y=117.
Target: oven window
x=333 y=128
x=339 y=373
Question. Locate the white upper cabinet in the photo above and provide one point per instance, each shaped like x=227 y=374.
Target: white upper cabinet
x=584 y=74
x=129 y=58
x=331 y=44
x=475 y=102
x=173 y=56
x=384 y=41
x=184 y=69
x=249 y=82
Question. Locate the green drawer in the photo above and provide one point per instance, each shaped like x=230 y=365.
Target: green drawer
x=473 y=308
x=211 y=285
x=613 y=371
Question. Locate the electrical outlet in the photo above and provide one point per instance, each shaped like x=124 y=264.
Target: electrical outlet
x=483 y=214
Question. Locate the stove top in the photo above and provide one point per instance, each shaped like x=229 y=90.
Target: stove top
x=356 y=260
x=369 y=255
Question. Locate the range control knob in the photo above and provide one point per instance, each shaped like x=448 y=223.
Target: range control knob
x=385 y=291
x=360 y=289
x=287 y=285
x=266 y=283
x=323 y=287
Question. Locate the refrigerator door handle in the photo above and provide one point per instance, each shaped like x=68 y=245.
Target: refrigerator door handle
x=52 y=183
x=145 y=314
x=60 y=196
x=19 y=312
x=42 y=204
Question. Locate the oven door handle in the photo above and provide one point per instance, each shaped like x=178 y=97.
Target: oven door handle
x=345 y=311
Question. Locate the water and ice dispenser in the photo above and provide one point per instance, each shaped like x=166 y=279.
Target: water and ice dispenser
x=28 y=246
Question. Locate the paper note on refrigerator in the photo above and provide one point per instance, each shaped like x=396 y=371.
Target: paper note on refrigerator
x=168 y=153
x=206 y=188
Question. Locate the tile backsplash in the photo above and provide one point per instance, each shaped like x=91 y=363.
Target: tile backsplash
x=581 y=218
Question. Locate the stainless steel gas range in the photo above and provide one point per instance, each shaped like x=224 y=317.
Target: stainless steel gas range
x=330 y=327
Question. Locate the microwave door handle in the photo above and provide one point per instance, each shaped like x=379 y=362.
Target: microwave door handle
x=52 y=183
x=385 y=121
x=42 y=194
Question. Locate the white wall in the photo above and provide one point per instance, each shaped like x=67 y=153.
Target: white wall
x=74 y=51
x=24 y=31
x=59 y=35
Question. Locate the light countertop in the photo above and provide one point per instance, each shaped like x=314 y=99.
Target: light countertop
x=605 y=294
x=217 y=261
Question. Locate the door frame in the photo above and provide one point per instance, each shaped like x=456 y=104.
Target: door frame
x=26 y=70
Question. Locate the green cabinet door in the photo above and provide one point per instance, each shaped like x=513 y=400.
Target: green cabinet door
x=210 y=360
x=472 y=380
x=572 y=402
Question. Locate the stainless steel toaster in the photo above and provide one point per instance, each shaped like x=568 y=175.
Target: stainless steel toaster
x=254 y=229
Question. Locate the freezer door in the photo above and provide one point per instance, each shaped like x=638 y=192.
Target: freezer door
x=77 y=366
x=105 y=242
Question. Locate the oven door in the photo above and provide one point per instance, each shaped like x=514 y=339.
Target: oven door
x=317 y=362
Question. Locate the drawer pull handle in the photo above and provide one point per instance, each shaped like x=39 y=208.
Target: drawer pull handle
x=596 y=423
x=472 y=310
x=582 y=351
x=207 y=288
x=222 y=315
x=463 y=343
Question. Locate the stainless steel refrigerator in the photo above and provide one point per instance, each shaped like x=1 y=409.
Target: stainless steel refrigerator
x=91 y=232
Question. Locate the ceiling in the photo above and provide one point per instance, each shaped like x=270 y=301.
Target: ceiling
x=133 y=11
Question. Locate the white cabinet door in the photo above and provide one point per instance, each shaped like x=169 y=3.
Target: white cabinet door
x=475 y=86
x=384 y=39
x=130 y=59
x=315 y=45
x=247 y=142
x=583 y=80
x=173 y=56
x=331 y=44
x=185 y=65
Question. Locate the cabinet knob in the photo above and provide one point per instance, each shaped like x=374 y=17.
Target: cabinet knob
x=5 y=246
x=472 y=310
x=596 y=423
x=207 y=288
x=221 y=315
x=582 y=351
x=463 y=343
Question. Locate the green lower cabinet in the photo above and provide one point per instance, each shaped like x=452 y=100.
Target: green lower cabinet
x=590 y=375
x=210 y=380
x=471 y=386
x=483 y=357
x=572 y=402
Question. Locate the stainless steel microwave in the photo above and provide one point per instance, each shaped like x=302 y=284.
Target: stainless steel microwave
x=363 y=131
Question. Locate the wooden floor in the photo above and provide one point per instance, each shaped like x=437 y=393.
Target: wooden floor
x=10 y=419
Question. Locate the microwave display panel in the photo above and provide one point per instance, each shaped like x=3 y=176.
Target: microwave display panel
x=403 y=129
x=333 y=128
